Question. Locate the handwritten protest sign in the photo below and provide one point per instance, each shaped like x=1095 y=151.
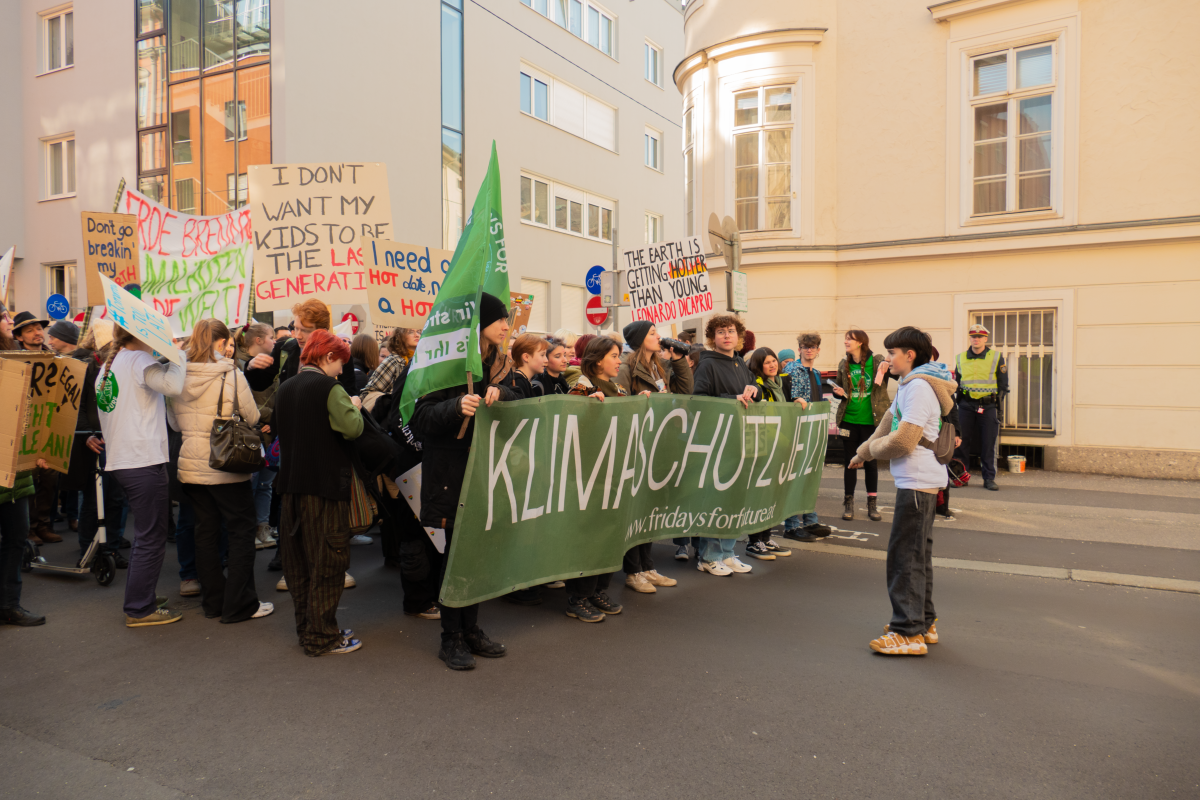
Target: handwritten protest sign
x=668 y=281
x=308 y=222
x=6 y=262
x=191 y=268
x=146 y=324
x=14 y=411
x=520 y=309
x=402 y=281
x=54 y=389
x=110 y=248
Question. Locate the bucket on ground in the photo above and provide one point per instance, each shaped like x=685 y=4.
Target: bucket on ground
x=1016 y=463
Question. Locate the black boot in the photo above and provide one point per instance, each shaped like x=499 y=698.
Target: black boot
x=848 y=503
x=481 y=645
x=873 y=509
x=454 y=652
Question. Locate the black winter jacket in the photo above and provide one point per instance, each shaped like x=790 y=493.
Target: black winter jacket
x=437 y=420
x=553 y=385
x=722 y=376
x=261 y=379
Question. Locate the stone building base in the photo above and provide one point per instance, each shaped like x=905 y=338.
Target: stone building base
x=1170 y=464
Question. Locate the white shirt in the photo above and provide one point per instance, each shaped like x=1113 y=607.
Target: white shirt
x=133 y=414
x=917 y=403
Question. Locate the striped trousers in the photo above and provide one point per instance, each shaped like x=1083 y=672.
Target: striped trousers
x=314 y=534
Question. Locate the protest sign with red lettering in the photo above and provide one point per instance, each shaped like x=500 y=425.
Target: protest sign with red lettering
x=402 y=281
x=192 y=268
x=668 y=281
x=309 y=220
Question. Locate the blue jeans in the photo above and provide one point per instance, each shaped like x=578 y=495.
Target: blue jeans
x=14 y=529
x=146 y=489
x=260 y=485
x=716 y=549
x=797 y=521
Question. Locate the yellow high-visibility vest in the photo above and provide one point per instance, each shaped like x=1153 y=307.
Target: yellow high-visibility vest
x=978 y=374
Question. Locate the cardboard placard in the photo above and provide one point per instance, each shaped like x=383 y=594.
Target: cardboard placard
x=520 y=309
x=668 y=282
x=6 y=262
x=55 y=387
x=190 y=267
x=110 y=248
x=309 y=220
x=402 y=282
x=14 y=411
x=146 y=324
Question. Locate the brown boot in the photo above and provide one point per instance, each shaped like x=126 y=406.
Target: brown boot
x=873 y=509
x=849 y=506
x=49 y=537
x=34 y=538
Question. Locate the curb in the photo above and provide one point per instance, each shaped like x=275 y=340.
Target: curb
x=1056 y=573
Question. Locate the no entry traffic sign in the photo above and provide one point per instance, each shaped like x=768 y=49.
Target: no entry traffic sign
x=597 y=314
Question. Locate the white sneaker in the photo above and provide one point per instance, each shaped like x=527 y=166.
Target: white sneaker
x=350 y=582
x=735 y=565
x=943 y=518
x=714 y=568
x=264 y=610
x=637 y=581
x=262 y=537
x=360 y=539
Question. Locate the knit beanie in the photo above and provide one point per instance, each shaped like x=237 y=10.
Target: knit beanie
x=65 y=332
x=491 y=308
x=785 y=355
x=635 y=332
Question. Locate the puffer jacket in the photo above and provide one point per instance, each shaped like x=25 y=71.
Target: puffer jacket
x=22 y=487
x=192 y=414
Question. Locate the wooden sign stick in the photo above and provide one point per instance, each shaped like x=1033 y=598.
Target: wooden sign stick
x=470 y=390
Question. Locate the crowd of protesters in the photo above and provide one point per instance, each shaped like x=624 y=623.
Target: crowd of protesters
x=317 y=398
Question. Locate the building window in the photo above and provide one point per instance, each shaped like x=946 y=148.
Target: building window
x=539 y=312
x=1026 y=339
x=535 y=94
x=654 y=64
x=58 y=155
x=566 y=209
x=572 y=308
x=1012 y=104
x=453 y=187
x=653 y=149
x=567 y=108
x=588 y=21
x=60 y=279
x=762 y=143
x=689 y=155
x=203 y=100
x=653 y=228
x=58 y=41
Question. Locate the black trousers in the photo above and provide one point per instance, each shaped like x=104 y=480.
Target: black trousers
x=455 y=621
x=850 y=444
x=230 y=596
x=405 y=540
x=42 y=510
x=978 y=432
x=589 y=586
x=114 y=499
x=910 y=562
x=314 y=537
x=765 y=536
x=638 y=559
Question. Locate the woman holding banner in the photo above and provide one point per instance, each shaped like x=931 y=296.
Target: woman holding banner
x=219 y=499
x=646 y=371
x=440 y=418
x=529 y=358
x=774 y=388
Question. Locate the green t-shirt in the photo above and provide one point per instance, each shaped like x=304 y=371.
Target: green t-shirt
x=858 y=409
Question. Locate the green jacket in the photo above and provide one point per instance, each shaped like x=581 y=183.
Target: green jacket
x=23 y=487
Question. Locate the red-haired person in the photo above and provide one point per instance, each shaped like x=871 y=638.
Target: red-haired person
x=529 y=358
x=316 y=419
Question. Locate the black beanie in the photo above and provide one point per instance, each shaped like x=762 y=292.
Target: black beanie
x=635 y=332
x=491 y=308
x=65 y=332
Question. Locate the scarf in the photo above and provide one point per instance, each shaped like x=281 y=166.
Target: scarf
x=773 y=386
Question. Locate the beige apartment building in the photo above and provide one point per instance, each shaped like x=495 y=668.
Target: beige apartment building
x=1028 y=164
x=180 y=97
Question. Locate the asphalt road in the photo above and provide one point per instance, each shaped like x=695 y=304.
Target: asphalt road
x=756 y=685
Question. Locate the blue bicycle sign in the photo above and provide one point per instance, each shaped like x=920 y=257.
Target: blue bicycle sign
x=593 y=279
x=57 y=306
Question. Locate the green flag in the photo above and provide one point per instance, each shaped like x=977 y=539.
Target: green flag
x=449 y=347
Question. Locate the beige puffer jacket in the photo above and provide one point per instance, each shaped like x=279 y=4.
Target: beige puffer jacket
x=193 y=411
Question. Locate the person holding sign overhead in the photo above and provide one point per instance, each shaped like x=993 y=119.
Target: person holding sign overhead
x=130 y=392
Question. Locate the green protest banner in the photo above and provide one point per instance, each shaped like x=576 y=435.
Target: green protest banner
x=449 y=347
x=560 y=487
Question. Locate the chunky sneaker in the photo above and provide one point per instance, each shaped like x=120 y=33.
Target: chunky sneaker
x=714 y=568
x=601 y=602
x=350 y=582
x=637 y=581
x=848 y=507
x=800 y=535
x=189 y=588
x=737 y=565
x=433 y=612
x=455 y=653
x=348 y=645
x=818 y=530
x=478 y=643
x=873 y=509
x=776 y=548
x=159 y=616
x=359 y=539
x=931 y=636
x=659 y=580
x=681 y=553
x=582 y=610
x=759 y=550
x=897 y=644
x=264 y=610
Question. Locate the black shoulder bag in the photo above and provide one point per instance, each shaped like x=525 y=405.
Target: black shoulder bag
x=234 y=445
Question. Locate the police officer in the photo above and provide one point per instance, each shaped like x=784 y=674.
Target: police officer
x=982 y=379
